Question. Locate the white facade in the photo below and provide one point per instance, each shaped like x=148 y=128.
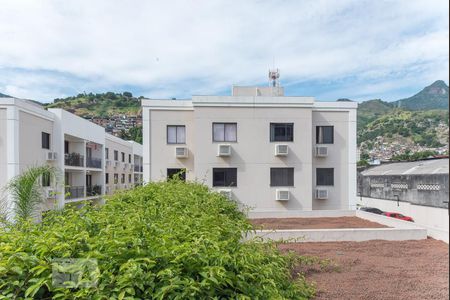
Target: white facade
x=262 y=121
x=76 y=147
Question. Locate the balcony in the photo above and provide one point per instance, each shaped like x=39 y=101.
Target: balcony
x=93 y=190
x=74 y=192
x=74 y=159
x=94 y=162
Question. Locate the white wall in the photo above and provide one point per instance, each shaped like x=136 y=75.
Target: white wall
x=434 y=219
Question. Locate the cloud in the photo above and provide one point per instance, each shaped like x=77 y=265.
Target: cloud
x=354 y=49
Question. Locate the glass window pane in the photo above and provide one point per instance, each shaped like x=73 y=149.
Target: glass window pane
x=219 y=132
x=181 y=135
x=230 y=132
x=171 y=135
x=328 y=134
x=281 y=132
x=224 y=177
x=282 y=177
x=324 y=176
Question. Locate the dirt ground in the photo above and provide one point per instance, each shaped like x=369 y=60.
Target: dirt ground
x=379 y=269
x=315 y=223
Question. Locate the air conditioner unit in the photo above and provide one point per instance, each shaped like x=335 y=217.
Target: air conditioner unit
x=181 y=152
x=49 y=193
x=321 y=194
x=51 y=155
x=281 y=150
x=224 y=150
x=282 y=195
x=225 y=192
x=321 y=151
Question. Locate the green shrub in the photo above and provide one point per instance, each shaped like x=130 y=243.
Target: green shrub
x=167 y=240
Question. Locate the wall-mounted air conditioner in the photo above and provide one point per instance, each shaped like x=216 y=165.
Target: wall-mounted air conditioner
x=321 y=151
x=181 y=152
x=51 y=155
x=282 y=195
x=225 y=192
x=281 y=150
x=223 y=150
x=321 y=193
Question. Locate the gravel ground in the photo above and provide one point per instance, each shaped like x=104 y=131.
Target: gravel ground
x=379 y=269
x=315 y=223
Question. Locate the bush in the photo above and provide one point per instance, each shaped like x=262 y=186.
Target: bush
x=167 y=240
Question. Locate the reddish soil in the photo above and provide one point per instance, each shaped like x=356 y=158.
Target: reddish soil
x=315 y=223
x=378 y=269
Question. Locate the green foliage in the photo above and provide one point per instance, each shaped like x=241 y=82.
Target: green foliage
x=362 y=163
x=134 y=134
x=27 y=193
x=167 y=240
x=408 y=156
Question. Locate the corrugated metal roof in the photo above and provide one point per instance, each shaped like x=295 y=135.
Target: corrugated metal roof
x=432 y=166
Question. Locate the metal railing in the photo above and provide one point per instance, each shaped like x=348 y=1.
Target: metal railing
x=94 y=162
x=74 y=159
x=93 y=190
x=74 y=192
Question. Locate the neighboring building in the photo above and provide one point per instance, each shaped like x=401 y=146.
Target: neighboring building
x=423 y=182
x=267 y=151
x=419 y=189
x=32 y=136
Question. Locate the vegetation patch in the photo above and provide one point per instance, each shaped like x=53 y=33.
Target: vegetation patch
x=167 y=240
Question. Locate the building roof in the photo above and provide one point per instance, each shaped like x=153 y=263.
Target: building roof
x=432 y=166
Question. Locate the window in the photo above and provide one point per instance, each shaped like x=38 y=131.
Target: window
x=324 y=176
x=45 y=140
x=181 y=173
x=106 y=153
x=106 y=178
x=116 y=178
x=122 y=178
x=123 y=156
x=129 y=178
x=281 y=132
x=324 y=135
x=224 y=132
x=281 y=176
x=66 y=147
x=176 y=134
x=224 y=176
x=46 y=179
x=129 y=158
x=116 y=155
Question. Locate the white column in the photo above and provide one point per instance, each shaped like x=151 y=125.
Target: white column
x=146 y=141
x=352 y=159
x=12 y=150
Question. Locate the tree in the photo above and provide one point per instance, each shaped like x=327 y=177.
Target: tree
x=128 y=94
x=27 y=192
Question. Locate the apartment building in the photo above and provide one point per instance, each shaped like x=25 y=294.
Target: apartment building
x=265 y=150
x=33 y=136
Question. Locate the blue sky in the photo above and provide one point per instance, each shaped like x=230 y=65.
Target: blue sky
x=161 y=49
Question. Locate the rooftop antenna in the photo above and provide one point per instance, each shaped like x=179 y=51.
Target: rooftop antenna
x=274 y=75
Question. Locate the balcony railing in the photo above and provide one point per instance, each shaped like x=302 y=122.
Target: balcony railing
x=138 y=168
x=94 y=162
x=74 y=159
x=93 y=190
x=74 y=192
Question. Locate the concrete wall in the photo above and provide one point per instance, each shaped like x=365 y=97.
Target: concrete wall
x=381 y=187
x=125 y=168
x=435 y=220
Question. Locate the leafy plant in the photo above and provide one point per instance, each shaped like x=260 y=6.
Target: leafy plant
x=166 y=240
x=26 y=192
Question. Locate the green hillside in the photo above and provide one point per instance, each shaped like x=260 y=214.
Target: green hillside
x=100 y=105
x=369 y=111
x=434 y=96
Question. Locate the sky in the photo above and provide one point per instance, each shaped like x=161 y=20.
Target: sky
x=328 y=49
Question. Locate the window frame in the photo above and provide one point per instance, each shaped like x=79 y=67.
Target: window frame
x=122 y=156
x=272 y=125
x=176 y=134
x=272 y=184
x=317 y=134
x=317 y=177
x=232 y=184
x=106 y=178
x=45 y=142
x=116 y=155
x=46 y=179
x=224 y=130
